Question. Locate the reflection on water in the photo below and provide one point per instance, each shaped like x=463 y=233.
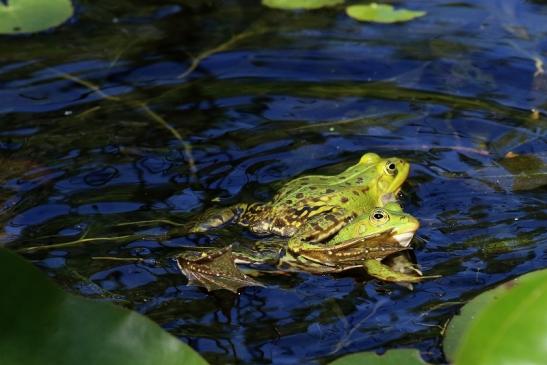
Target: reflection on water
x=276 y=94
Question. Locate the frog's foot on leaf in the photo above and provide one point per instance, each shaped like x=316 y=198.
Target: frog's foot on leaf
x=214 y=270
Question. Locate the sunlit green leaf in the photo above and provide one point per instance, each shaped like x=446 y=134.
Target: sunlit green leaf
x=300 y=4
x=507 y=324
x=381 y=13
x=393 y=357
x=28 y=16
x=41 y=324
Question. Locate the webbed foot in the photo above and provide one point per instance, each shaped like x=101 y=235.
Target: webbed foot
x=214 y=270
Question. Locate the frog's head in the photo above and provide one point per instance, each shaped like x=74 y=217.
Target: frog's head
x=385 y=175
x=381 y=232
x=392 y=173
x=388 y=222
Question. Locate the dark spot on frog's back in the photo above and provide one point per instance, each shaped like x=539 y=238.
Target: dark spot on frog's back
x=355 y=192
x=344 y=199
x=313 y=187
x=328 y=191
x=299 y=195
x=279 y=223
x=359 y=180
x=331 y=218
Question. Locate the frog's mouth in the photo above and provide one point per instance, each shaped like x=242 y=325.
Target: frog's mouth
x=355 y=250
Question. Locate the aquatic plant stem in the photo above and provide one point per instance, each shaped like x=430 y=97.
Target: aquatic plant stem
x=187 y=146
x=85 y=83
x=141 y=105
x=72 y=243
x=152 y=221
x=206 y=54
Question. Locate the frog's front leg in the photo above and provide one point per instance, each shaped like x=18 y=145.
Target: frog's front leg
x=215 y=218
x=383 y=272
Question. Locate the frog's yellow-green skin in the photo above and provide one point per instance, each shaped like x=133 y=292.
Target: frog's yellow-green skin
x=381 y=232
x=335 y=223
x=361 y=243
x=337 y=199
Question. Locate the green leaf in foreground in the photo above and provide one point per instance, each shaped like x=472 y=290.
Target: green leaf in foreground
x=505 y=325
x=381 y=13
x=28 y=16
x=41 y=324
x=300 y=4
x=392 y=357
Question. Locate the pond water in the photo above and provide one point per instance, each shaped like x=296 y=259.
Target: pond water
x=105 y=121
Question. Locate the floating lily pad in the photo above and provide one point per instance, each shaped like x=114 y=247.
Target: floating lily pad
x=28 y=16
x=507 y=325
x=393 y=357
x=41 y=324
x=381 y=13
x=300 y=4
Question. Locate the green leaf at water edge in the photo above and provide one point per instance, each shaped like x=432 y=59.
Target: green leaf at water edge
x=300 y=4
x=505 y=325
x=41 y=324
x=28 y=16
x=381 y=13
x=392 y=357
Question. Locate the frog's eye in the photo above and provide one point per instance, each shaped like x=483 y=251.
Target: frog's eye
x=390 y=168
x=379 y=216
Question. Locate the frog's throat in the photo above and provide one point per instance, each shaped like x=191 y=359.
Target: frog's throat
x=376 y=246
x=404 y=238
x=396 y=184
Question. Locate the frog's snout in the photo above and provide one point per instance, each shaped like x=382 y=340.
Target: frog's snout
x=410 y=225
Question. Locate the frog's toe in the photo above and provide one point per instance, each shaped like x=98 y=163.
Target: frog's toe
x=380 y=271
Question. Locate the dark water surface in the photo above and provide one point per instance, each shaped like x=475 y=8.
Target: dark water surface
x=276 y=94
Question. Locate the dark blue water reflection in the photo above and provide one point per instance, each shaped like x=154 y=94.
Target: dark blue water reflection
x=300 y=92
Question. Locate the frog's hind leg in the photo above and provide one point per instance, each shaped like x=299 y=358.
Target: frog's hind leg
x=213 y=269
x=215 y=218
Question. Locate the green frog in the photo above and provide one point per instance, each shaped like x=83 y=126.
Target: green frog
x=334 y=223
x=363 y=242
x=338 y=199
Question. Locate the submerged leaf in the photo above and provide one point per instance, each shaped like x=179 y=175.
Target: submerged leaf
x=392 y=357
x=41 y=324
x=529 y=171
x=214 y=269
x=300 y=4
x=28 y=16
x=381 y=13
